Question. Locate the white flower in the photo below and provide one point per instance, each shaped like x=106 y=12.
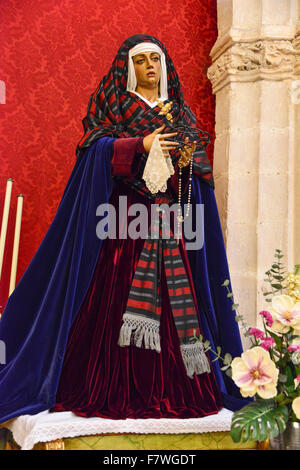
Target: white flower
x=285 y=312
x=295 y=358
x=255 y=372
x=296 y=407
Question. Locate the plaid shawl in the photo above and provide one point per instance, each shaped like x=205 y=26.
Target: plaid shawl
x=113 y=111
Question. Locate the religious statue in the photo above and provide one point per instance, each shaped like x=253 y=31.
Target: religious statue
x=113 y=326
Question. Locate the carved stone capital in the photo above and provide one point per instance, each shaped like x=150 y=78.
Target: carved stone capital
x=255 y=60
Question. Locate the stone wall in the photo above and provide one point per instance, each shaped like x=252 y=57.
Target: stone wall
x=255 y=74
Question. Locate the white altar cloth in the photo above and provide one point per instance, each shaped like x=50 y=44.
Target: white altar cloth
x=27 y=430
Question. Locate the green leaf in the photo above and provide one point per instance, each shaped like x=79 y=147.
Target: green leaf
x=225 y=283
x=297 y=369
x=277 y=286
x=238 y=317
x=297 y=267
x=279 y=397
x=276 y=339
x=227 y=358
x=234 y=306
x=289 y=385
x=258 y=420
x=230 y=294
x=292 y=337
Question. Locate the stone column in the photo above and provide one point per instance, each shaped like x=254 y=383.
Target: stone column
x=254 y=73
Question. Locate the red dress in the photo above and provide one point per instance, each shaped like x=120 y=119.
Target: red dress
x=100 y=378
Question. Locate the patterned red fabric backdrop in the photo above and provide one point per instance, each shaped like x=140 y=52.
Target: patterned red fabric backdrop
x=54 y=54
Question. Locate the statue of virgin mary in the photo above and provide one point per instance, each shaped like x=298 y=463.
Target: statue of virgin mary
x=115 y=327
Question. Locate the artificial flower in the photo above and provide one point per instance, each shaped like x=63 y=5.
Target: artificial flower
x=297 y=381
x=292 y=283
x=257 y=333
x=294 y=347
x=295 y=358
x=285 y=311
x=268 y=317
x=296 y=407
x=279 y=328
x=255 y=372
x=267 y=343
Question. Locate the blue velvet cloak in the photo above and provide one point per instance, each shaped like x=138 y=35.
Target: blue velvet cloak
x=40 y=311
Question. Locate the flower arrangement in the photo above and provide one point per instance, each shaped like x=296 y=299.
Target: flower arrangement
x=269 y=371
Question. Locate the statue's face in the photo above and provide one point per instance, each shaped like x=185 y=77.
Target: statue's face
x=147 y=69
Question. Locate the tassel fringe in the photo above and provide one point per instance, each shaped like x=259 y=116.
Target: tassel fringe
x=137 y=328
x=145 y=328
x=195 y=359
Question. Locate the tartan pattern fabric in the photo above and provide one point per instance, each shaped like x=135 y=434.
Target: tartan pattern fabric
x=113 y=111
x=141 y=319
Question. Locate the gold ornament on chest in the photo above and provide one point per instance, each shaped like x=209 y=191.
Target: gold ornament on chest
x=165 y=109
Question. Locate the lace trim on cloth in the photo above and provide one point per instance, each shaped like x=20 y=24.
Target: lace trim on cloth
x=158 y=168
x=27 y=430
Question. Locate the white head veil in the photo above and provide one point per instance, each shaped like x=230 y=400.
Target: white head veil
x=131 y=80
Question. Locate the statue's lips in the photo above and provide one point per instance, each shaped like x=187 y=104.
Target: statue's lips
x=151 y=74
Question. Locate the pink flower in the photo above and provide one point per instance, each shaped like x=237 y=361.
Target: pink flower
x=294 y=347
x=268 y=343
x=257 y=333
x=268 y=317
x=255 y=372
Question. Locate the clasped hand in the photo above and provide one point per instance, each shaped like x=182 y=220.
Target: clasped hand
x=167 y=145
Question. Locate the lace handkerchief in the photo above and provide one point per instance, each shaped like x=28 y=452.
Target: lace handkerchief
x=158 y=168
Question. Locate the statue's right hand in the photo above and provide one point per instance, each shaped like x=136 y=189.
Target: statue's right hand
x=165 y=144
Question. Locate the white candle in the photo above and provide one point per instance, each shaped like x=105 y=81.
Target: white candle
x=16 y=244
x=5 y=220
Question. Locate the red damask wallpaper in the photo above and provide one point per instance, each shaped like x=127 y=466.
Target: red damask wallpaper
x=53 y=55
